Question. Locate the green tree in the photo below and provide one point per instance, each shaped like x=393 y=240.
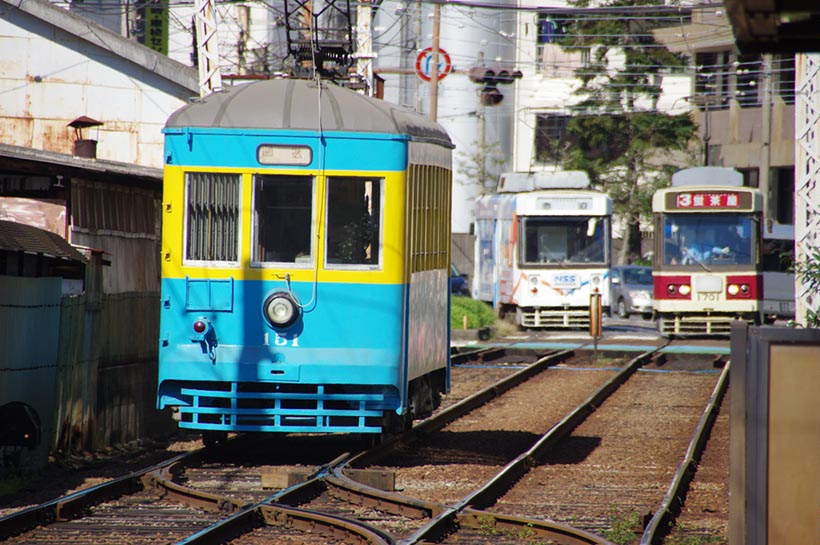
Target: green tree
x=482 y=165
x=616 y=133
x=809 y=273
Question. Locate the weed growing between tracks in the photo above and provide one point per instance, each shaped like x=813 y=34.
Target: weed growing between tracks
x=488 y=526
x=682 y=536
x=624 y=527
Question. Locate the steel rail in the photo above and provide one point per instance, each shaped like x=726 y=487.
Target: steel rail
x=533 y=530
x=488 y=493
x=273 y=511
x=162 y=481
x=343 y=487
x=72 y=505
x=457 y=410
x=670 y=505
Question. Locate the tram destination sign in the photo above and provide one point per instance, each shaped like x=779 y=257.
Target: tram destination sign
x=709 y=200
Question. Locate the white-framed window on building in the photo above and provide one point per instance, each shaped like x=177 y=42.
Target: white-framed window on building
x=550 y=136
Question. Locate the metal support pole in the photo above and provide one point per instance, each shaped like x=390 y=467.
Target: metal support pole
x=595 y=318
x=434 y=66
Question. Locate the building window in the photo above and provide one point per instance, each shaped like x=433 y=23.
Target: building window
x=783 y=68
x=781 y=192
x=748 y=79
x=549 y=30
x=712 y=80
x=550 y=136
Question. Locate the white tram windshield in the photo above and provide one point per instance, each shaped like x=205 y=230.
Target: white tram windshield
x=708 y=239
x=563 y=240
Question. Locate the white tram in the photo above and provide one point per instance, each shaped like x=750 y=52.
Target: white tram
x=542 y=248
x=717 y=258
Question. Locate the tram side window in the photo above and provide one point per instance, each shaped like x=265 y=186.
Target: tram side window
x=778 y=255
x=353 y=220
x=283 y=212
x=212 y=217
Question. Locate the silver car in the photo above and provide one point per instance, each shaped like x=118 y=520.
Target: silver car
x=631 y=291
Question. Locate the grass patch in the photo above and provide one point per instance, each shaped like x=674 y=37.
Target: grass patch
x=479 y=314
x=625 y=527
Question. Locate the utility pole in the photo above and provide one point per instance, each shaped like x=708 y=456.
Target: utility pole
x=210 y=78
x=418 y=46
x=764 y=178
x=244 y=19
x=434 y=66
x=482 y=124
x=364 y=44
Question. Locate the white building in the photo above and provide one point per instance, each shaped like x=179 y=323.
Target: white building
x=58 y=67
x=545 y=94
x=468 y=35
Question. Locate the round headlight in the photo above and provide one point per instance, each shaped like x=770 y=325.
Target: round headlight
x=533 y=281
x=733 y=289
x=595 y=279
x=685 y=289
x=281 y=310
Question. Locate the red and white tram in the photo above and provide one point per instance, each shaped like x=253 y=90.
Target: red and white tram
x=717 y=259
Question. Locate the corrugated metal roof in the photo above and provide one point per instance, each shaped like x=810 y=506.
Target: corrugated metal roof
x=17 y=237
x=303 y=105
x=20 y=159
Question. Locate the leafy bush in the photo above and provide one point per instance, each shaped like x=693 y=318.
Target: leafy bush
x=479 y=314
x=809 y=271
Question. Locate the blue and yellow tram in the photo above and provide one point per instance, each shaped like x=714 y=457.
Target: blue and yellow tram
x=305 y=259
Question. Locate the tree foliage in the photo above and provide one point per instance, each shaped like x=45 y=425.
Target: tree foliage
x=482 y=165
x=809 y=273
x=616 y=133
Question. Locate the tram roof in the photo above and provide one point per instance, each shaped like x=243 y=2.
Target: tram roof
x=295 y=104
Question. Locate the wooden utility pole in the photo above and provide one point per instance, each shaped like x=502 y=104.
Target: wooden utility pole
x=434 y=67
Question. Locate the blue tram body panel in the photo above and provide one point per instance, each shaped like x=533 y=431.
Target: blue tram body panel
x=231 y=148
x=370 y=341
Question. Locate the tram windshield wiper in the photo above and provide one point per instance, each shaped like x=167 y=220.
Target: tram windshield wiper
x=691 y=256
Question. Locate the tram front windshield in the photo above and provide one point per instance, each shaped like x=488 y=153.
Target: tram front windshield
x=708 y=239
x=565 y=240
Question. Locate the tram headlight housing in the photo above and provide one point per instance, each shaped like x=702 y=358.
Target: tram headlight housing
x=533 y=283
x=685 y=289
x=738 y=289
x=280 y=309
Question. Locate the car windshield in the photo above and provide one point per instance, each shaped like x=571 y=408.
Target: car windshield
x=638 y=276
x=708 y=239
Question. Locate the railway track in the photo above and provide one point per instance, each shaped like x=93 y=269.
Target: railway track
x=221 y=498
